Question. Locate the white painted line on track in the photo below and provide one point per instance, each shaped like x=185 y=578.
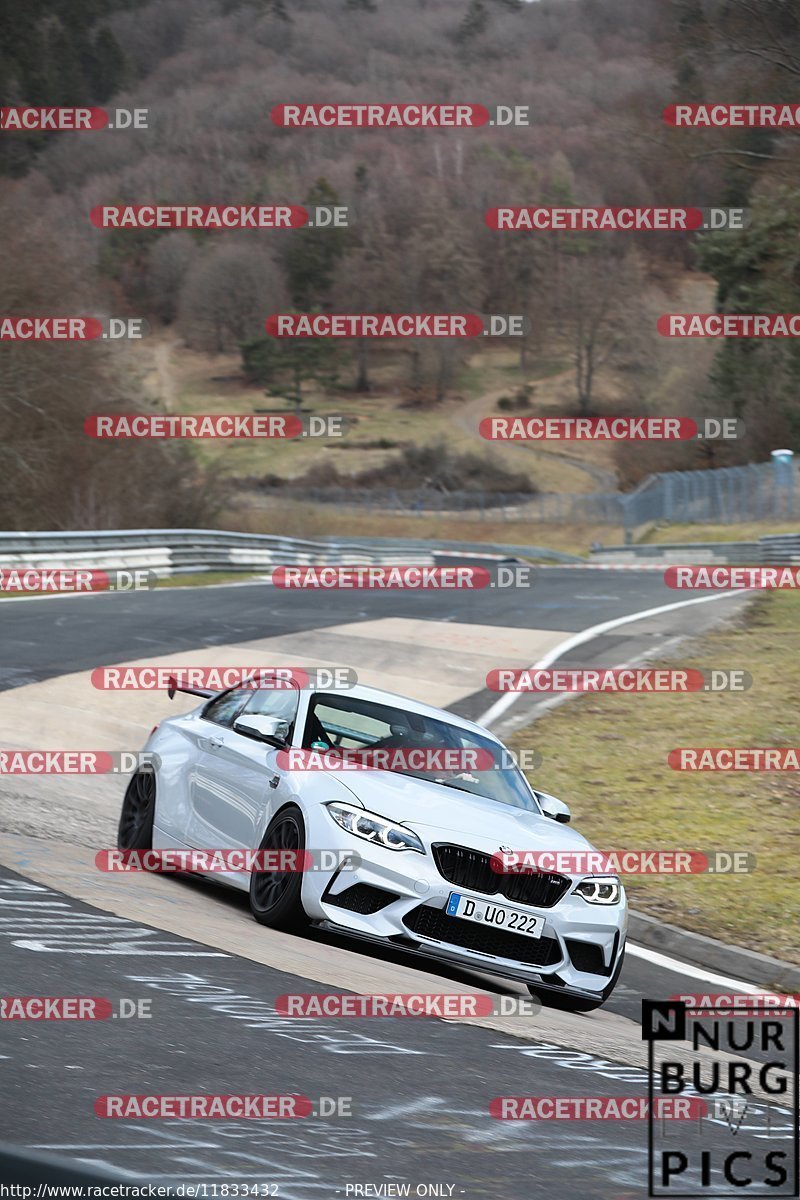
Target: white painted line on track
x=682 y=968
x=587 y=635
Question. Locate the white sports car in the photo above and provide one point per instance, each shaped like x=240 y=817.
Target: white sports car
x=415 y=850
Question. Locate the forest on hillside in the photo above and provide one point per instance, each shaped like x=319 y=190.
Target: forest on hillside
x=596 y=75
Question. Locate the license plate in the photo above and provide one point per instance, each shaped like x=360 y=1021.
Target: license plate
x=499 y=916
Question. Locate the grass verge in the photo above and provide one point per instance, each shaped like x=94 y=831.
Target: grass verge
x=205 y=578
x=745 y=531
x=295 y=518
x=606 y=755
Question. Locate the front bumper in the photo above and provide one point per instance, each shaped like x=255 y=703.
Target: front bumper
x=400 y=896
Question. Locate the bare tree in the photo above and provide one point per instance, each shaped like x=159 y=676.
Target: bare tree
x=599 y=312
x=227 y=295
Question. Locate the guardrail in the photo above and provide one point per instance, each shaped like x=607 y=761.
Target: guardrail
x=781 y=548
x=184 y=551
x=777 y=549
x=189 y=551
x=680 y=552
x=503 y=549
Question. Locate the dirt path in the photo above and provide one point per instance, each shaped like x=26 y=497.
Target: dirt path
x=470 y=414
x=162 y=367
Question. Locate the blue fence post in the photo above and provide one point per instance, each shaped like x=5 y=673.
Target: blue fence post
x=783 y=480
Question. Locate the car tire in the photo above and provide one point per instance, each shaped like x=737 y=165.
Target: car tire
x=565 y=1002
x=275 y=898
x=135 y=829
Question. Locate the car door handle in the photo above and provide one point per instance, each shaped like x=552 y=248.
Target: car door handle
x=215 y=743
x=274 y=781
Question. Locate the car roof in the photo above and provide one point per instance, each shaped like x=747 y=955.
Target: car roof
x=378 y=696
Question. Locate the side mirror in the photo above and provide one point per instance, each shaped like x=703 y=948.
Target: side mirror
x=556 y=809
x=263 y=728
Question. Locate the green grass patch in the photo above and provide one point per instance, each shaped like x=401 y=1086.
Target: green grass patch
x=204 y=578
x=745 y=531
x=606 y=756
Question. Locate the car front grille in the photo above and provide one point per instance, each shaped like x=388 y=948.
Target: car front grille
x=469 y=935
x=472 y=870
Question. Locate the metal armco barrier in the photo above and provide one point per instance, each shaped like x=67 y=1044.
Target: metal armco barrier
x=190 y=551
x=772 y=550
x=185 y=551
x=780 y=548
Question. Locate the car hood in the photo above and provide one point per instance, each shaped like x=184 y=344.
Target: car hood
x=433 y=810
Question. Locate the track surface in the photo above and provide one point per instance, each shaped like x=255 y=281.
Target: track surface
x=47 y=637
x=419 y=1089
x=420 y=1115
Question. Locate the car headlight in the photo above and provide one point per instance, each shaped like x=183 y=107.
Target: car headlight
x=600 y=891
x=374 y=828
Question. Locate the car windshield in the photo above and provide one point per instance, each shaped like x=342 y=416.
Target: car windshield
x=419 y=745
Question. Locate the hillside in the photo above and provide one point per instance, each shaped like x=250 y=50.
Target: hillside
x=595 y=78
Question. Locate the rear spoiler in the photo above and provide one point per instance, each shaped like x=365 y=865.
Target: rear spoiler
x=174 y=687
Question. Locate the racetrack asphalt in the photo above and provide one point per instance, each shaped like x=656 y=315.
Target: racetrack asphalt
x=424 y=1119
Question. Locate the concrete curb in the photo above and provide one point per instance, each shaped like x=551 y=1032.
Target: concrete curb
x=696 y=948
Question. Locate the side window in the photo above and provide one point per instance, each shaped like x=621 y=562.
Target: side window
x=275 y=702
x=225 y=708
